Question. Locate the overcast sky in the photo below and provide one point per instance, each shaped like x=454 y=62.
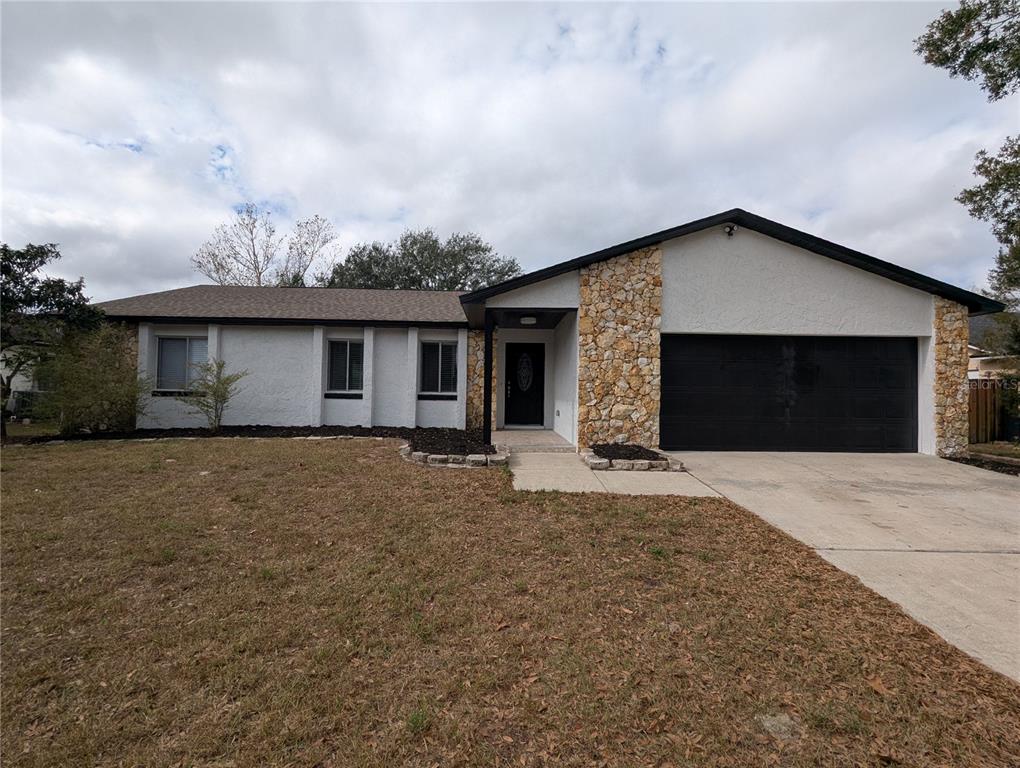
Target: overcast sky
x=130 y=130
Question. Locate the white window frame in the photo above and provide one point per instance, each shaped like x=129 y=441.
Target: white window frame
x=187 y=358
x=329 y=364
x=421 y=366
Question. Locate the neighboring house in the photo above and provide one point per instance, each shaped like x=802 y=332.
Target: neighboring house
x=25 y=388
x=732 y=332
x=982 y=365
x=985 y=362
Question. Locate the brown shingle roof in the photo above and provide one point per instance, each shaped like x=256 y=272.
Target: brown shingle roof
x=325 y=305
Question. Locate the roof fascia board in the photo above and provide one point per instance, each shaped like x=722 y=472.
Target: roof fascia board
x=977 y=304
x=176 y=320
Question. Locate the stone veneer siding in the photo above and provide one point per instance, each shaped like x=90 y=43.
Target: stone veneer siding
x=950 y=337
x=476 y=377
x=618 y=323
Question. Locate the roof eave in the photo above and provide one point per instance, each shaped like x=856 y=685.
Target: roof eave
x=204 y=320
x=975 y=303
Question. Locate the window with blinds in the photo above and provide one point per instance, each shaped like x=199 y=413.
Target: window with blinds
x=177 y=358
x=346 y=366
x=438 y=367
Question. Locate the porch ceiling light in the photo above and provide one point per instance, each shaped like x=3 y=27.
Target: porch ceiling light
x=528 y=320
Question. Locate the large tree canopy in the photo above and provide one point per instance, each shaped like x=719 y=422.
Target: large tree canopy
x=996 y=199
x=35 y=311
x=420 y=260
x=980 y=40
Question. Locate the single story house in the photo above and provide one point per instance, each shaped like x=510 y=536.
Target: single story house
x=986 y=360
x=732 y=332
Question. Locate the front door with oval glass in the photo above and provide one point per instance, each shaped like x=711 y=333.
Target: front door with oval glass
x=525 y=385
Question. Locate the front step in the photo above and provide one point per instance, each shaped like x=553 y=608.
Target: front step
x=536 y=448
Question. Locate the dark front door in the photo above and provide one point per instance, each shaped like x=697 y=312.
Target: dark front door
x=525 y=384
x=788 y=393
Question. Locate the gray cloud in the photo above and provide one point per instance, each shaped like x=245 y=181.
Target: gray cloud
x=131 y=129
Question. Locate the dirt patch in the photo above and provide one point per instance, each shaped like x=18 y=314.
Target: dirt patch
x=428 y=439
x=988 y=463
x=294 y=602
x=627 y=451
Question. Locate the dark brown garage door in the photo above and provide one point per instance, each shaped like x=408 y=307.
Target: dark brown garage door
x=788 y=393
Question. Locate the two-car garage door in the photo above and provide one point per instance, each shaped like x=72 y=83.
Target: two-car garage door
x=794 y=393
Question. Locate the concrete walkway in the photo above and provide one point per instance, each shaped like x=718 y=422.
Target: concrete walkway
x=939 y=538
x=567 y=472
x=532 y=441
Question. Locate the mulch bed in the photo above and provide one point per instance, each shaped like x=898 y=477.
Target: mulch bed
x=990 y=464
x=627 y=451
x=428 y=439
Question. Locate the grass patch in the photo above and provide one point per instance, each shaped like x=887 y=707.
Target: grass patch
x=18 y=431
x=418 y=721
x=324 y=602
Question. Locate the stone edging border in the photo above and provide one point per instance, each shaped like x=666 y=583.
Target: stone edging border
x=471 y=460
x=665 y=464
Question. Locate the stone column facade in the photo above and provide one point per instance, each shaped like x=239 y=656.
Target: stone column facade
x=950 y=337
x=476 y=378
x=618 y=323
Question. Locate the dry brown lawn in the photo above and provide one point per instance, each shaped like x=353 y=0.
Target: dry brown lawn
x=292 y=602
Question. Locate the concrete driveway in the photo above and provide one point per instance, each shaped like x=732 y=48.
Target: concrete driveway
x=942 y=539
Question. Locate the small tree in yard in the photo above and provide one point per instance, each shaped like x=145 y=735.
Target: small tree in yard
x=213 y=389
x=95 y=382
x=36 y=312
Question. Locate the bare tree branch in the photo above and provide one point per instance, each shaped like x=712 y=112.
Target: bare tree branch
x=311 y=240
x=241 y=252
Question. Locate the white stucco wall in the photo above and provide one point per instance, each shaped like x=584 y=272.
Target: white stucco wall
x=288 y=375
x=279 y=384
x=926 y=395
x=440 y=413
x=164 y=412
x=565 y=378
x=560 y=292
x=391 y=406
x=750 y=283
x=348 y=413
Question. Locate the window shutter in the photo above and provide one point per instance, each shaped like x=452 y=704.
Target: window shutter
x=198 y=354
x=430 y=367
x=448 y=368
x=171 y=365
x=356 y=353
x=338 y=365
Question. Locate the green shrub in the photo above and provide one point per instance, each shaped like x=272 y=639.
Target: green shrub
x=212 y=390
x=94 y=380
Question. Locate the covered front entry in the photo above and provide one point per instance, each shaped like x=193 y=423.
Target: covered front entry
x=528 y=375
x=788 y=393
x=525 y=385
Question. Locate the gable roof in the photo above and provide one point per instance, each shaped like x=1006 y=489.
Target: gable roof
x=292 y=306
x=975 y=303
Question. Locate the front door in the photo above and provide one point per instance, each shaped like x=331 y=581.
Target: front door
x=525 y=385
